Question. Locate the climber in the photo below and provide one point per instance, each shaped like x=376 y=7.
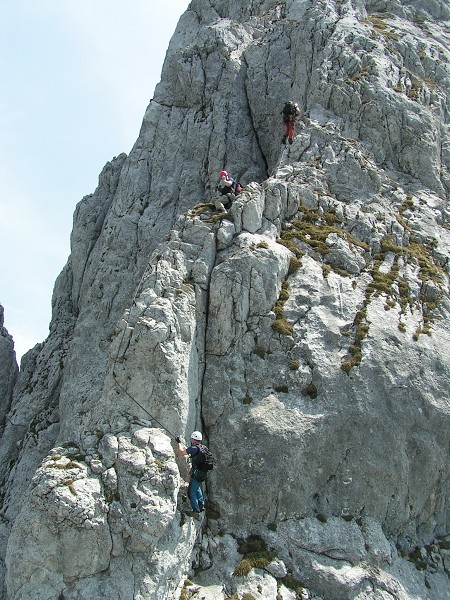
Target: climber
x=197 y=472
x=291 y=113
x=229 y=188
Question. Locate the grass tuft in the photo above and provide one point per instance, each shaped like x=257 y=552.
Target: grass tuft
x=253 y=560
x=310 y=390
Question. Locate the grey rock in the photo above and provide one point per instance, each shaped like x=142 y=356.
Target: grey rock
x=258 y=584
x=8 y=370
x=277 y=568
x=109 y=449
x=225 y=235
x=322 y=394
x=342 y=256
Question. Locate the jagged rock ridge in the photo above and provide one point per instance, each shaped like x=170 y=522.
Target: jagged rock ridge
x=306 y=332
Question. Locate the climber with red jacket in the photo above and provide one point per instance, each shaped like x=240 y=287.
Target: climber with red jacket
x=291 y=113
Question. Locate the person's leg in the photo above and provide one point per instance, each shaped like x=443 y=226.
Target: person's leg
x=290 y=128
x=285 y=134
x=200 y=498
x=224 y=202
x=193 y=494
x=229 y=199
x=219 y=206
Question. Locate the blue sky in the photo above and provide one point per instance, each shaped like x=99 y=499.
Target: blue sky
x=75 y=80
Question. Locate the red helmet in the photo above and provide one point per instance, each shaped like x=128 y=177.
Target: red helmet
x=223 y=173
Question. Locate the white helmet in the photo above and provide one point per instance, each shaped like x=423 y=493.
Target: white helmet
x=196 y=435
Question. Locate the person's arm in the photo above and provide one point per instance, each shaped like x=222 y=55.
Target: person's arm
x=180 y=447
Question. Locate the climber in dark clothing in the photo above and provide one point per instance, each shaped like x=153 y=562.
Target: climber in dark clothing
x=291 y=113
x=229 y=188
x=196 y=472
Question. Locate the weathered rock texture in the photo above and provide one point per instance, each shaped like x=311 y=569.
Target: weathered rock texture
x=306 y=332
x=8 y=369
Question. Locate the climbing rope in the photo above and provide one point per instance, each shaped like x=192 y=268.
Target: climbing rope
x=119 y=385
x=140 y=406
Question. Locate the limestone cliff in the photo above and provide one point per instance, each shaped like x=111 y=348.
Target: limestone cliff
x=305 y=331
x=8 y=369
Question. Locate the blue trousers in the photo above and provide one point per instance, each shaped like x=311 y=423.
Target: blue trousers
x=195 y=494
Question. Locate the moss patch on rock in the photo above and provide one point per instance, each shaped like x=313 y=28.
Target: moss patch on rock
x=256 y=555
x=280 y=324
x=253 y=560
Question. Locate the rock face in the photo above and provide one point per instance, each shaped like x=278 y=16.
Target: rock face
x=306 y=331
x=8 y=369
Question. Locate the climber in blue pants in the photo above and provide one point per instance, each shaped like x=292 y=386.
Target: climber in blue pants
x=196 y=495
x=197 y=473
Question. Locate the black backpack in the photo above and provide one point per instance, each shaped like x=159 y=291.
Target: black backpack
x=235 y=189
x=208 y=463
x=289 y=111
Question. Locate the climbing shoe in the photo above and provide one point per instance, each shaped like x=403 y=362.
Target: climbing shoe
x=193 y=514
x=290 y=141
x=201 y=506
x=283 y=140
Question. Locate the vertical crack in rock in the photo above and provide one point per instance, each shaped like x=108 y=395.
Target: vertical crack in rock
x=305 y=331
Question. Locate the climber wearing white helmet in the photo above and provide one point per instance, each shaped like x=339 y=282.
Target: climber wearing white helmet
x=197 y=472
